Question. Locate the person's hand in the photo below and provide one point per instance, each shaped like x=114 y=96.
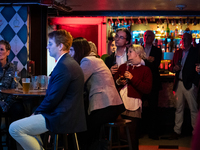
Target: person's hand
x=121 y=80
x=150 y=58
x=114 y=69
x=177 y=68
x=128 y=75
x=2 y=103
x=197 y=68
x=4 y=106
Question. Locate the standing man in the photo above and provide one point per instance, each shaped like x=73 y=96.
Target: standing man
x=154 y=56
x=185 y=83
x=122 y=39
x=62 y=110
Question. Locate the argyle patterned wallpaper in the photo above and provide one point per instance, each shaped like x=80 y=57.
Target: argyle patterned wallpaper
x=13 y=28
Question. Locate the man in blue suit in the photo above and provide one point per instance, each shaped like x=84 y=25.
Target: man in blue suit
x=62 y=110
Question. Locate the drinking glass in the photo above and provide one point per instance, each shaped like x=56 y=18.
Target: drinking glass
x=17 y=78
x=26 y=85
x=43 y=82
x=34 y=80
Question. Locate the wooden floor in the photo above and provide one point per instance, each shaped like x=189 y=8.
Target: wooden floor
x=150 y=147
x=182 y=143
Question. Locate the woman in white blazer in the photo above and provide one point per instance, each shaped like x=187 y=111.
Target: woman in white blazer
x=105 y=103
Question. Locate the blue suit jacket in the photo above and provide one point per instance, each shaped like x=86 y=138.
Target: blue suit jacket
x=63 y=106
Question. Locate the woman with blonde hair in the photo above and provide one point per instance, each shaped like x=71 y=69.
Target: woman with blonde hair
x=133 y=80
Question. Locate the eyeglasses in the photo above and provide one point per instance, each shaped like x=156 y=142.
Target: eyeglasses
x=121 y=37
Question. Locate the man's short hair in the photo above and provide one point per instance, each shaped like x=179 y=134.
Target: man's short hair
x=62 y=36
x=151 y=33
x=128 y=34
x=189 y=36
x=6 y=43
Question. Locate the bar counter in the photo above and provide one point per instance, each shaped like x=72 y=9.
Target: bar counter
x=166 y=96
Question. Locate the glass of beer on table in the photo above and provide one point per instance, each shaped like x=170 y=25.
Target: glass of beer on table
x=26 y=85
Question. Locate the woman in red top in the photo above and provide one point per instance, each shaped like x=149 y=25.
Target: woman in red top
x=133 y=80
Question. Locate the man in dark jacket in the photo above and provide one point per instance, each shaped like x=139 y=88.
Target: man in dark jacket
x=154 y=56
x=62 y=110
x=122 y=39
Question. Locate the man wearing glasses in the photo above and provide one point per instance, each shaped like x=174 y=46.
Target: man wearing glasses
x=122 y=39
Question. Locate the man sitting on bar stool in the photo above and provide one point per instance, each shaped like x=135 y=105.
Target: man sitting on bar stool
x=62 y=110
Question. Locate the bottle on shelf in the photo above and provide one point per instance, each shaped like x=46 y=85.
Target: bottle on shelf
x=180 y=32
x=165 y=43
x=167 y=50
x=167 y=31
x=176 y=31
x=162 y=32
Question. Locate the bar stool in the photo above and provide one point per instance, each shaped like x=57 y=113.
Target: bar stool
x=117 y=124
x=55 y=142
x=75 y=142
x=4 y=131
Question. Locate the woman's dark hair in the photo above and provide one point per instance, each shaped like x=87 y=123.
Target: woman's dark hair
x=109 y=44
x=81 y=48
x=128 y=34
x=7 y=45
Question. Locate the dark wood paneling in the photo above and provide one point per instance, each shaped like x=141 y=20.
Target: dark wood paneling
x=38 y=38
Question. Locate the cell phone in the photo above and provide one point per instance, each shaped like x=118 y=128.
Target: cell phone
x=122 y=78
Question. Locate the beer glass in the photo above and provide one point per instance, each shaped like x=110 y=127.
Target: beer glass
x=26 y=85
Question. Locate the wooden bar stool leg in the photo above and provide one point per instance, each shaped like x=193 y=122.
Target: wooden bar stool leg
x=128 y=138
x=65 y=141
x=56 y=142
x=118 y=137
x=76 y=141
x=110 y=138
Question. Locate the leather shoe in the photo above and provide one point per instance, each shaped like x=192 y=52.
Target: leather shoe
x=174 y=136
x=153 y=136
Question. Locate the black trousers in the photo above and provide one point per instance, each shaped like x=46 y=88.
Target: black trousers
x=15 y=112
x=150 y=113
x=134 y=129
x=95 y=120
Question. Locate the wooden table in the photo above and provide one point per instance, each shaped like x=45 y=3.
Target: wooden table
x=31 y=100
x=20 y=92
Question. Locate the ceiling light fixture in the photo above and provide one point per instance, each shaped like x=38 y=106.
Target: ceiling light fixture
x=181 y=6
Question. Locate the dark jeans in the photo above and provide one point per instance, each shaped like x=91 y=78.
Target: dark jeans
x=15 y=112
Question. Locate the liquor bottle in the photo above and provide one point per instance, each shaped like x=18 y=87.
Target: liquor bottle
x=167 y=31
x=176 y=31
x=162 y=32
